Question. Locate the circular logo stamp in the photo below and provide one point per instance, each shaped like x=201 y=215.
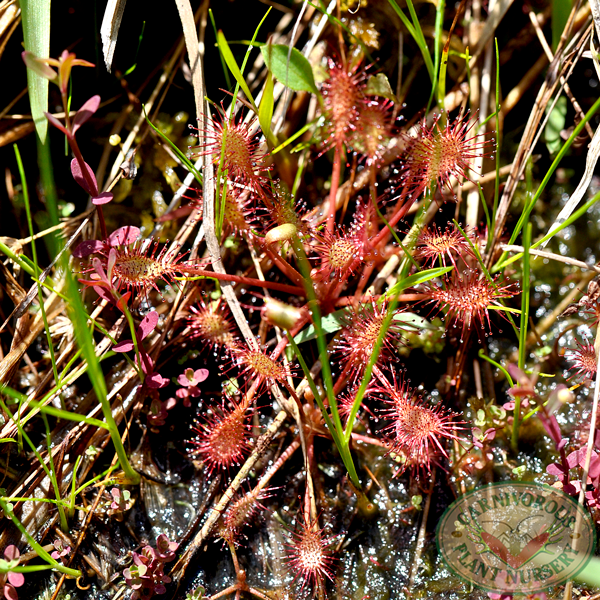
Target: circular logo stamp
x=516 y=537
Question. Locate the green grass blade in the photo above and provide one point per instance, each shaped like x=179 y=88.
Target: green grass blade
x=85 y=341
x=35 y=545
x=498 y=366
x=525 y=289
x=36 y=36
x=187 y=163
x=133 y=67
x=498 y=148
x=35 y=261
x=265 y=110
x=417 y=33
x=527 y=210
x=233 y=67
x=321 y=340
x=67 y=415
x=295 y=136
x=223 y=63
x=441 y=66
x=561 y=9
x=413 y=280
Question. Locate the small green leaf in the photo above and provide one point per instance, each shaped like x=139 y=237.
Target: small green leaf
x=520 y=471
x=415 y=279
x=379 y=85
x=417 y=502
x=265 y=110
x=330 y=323
x=296 y=74
x=556 y=123
x=233 y=67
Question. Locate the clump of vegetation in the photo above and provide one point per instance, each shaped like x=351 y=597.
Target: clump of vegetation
x=270 y=353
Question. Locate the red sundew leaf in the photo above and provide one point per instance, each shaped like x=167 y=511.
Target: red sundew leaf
x=88 y=247
x=124 y=236
x=85 y=112
x=54 y=121
x=124 y=346
x=103 y=198
x=147 y=324
x=81 y=180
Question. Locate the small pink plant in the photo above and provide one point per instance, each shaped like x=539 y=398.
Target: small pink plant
x=122 y=502
x=482 y=437
x=159 y=411
x=9 y=579
x=146 y=326
x=189 y=381
x=60 y=549
x=146 y=577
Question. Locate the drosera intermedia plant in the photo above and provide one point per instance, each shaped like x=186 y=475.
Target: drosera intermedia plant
x=309 y=555
x=415 y=431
